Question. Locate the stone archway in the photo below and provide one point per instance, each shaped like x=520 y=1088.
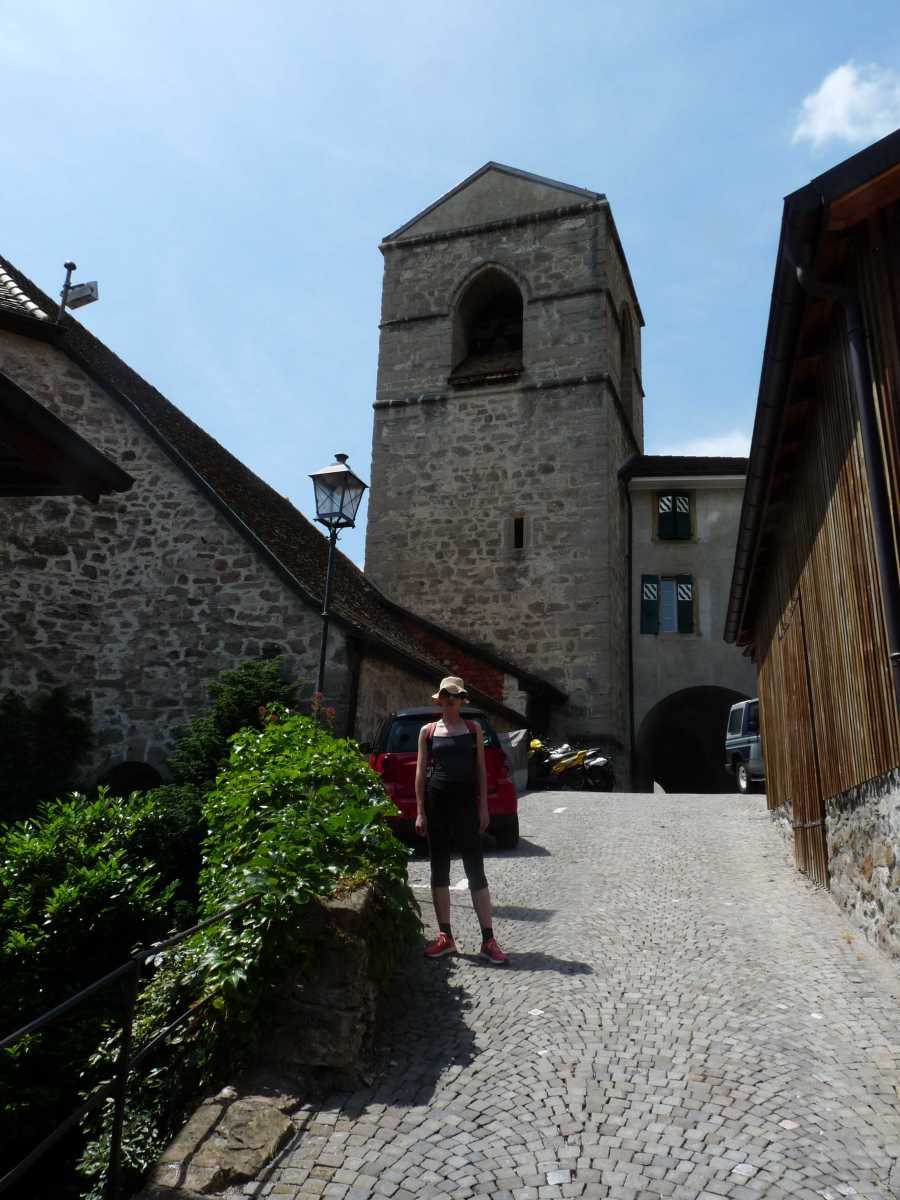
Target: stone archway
x=130 y=776
x=681 y=742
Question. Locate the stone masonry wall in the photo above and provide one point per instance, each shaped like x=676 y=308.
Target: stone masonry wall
x=139 y=600
x=620 y=293
x=383 y=688
x=864 y=858
x=452 y=468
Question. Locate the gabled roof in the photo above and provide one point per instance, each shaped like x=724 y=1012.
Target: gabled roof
x=813 y=224
x=277 y=530
x=662 y=466
x=567 y=194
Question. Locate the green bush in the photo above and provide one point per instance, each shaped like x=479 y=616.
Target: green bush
x=237 y=696
x=76 y=894
x=42 y=742
x=295 y=814
x=201 y=748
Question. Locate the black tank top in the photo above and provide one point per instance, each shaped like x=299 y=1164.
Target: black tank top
x=453 y=758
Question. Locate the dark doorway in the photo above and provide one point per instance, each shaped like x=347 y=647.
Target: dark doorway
x=681 y=743
x=129 y=777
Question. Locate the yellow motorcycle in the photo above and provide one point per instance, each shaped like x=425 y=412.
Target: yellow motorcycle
x=559 y=767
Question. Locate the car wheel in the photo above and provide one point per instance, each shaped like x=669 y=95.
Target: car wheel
x=743 y=778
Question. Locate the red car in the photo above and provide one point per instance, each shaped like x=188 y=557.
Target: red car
x=394 y=754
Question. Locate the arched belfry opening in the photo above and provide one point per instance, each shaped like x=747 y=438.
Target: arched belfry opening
x=487 y=329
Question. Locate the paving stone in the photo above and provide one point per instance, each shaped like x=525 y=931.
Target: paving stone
x=671 y=957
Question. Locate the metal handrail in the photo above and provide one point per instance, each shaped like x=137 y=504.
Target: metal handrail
x=125 y=1062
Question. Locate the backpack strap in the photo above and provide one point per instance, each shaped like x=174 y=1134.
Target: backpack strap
x=429 y=736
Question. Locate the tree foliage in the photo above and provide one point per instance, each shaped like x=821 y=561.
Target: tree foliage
x=42 y=742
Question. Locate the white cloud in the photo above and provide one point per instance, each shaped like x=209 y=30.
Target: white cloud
x=852 y=104
x=735 y=444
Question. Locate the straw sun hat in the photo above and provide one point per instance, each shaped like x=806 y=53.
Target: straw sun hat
x=452 y=684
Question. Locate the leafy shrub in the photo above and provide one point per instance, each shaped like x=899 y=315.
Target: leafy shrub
x=296 y=814
x=201 y=746
x=76 y=894
x=42 y=741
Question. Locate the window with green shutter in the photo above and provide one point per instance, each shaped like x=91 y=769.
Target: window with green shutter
x=684 y=587
x=667 y=604
x=649 y=604
x=673 y=516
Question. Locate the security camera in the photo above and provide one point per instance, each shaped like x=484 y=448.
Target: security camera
x=82 y=293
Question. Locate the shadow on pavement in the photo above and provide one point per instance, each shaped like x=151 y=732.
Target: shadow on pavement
x=423 y=1033
x=536 y=960
x=525 y=849
x=517 y=912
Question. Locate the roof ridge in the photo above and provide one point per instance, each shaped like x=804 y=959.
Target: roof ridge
x=506 y=170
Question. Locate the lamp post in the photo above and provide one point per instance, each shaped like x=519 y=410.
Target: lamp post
x=338 y=496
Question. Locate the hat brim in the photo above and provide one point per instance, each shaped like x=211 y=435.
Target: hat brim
x=462 y=695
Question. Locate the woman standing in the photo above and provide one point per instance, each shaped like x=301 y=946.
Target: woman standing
x=451 y=806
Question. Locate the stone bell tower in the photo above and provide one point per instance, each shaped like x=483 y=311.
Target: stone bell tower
x=509 y=396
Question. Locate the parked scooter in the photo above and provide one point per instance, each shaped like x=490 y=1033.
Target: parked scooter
x=565 y=767
x=599 y=773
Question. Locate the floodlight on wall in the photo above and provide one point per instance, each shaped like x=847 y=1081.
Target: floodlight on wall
x=76 y=295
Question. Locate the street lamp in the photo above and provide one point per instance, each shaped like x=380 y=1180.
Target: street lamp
x=338 y=496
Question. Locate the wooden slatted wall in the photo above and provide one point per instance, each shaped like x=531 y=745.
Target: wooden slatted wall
x=821 y=643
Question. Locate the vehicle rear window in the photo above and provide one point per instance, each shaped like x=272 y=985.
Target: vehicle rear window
x=403 y=735
x=734 y=720
x=753 y=717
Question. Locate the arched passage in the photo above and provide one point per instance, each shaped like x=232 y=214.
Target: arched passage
x=681 y=742
x=131 y=776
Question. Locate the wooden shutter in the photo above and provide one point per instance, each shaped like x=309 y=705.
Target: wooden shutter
x=684 y=591
x=649 y=604
x=665 y=528
x=682 y=518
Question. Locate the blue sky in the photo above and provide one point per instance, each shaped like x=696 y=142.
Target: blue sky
x=226 y=171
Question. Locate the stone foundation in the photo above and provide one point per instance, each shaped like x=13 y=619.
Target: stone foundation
x=318 y=1035
x=863 y=851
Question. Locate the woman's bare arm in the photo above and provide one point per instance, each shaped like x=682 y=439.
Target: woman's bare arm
x=421 y=774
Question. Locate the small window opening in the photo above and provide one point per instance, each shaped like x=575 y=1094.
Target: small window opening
x=487 y=330
x=518 y=533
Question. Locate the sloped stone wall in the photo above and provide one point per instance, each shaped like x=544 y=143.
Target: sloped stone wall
x=864 y=858
x=137 y=601
x=319 y=1034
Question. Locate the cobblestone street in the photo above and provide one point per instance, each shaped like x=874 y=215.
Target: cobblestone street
x=683 y=1016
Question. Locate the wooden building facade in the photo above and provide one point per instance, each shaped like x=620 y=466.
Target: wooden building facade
x=815 y=594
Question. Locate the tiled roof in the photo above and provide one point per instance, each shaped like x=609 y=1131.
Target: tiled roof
x=269 y=517
x=649 y=466
x=12 y=297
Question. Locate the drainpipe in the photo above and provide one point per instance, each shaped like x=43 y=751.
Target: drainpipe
x=863 y=389
x=632 y=750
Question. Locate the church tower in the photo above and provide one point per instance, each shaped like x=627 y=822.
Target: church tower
x=508 y=398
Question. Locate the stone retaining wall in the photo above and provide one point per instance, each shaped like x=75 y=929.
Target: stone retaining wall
x=863 y=853
x=318 y=1034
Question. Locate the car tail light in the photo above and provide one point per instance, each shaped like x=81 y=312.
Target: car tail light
x=385 y=766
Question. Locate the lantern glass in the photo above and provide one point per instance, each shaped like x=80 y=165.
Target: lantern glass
x=338 y=494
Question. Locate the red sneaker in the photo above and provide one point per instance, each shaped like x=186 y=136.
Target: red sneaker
x=442 y=944
x=492 y=952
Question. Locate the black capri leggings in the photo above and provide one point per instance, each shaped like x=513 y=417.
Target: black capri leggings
x=451 y=810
